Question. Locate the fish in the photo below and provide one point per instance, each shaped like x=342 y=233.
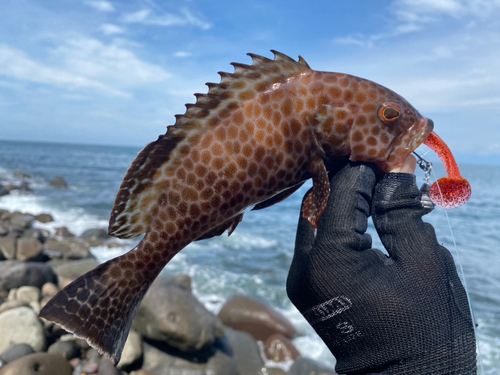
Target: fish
x=252 y=140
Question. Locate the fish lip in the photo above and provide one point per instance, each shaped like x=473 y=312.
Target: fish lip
x=416 y=135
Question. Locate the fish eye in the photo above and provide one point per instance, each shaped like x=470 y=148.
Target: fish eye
x=389 y=112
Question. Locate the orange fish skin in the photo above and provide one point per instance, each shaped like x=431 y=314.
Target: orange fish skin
x=262 y=131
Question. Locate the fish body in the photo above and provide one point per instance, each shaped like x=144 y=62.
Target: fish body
x=252 y=140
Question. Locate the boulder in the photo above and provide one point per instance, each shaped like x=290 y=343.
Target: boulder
x=8 y=305
x=44 y=218
x=169 y=313
x=278 y=348
x=28 y=293
x=95 y=234
x=49 y=289
x=63 y=232
x=28 y=249
x=22 y=221
x=107 y=368
x=16 y=351
x=38 y=364
x=8 y=247
x=72 y=269
x=14 y=274
x=67 y=349
x=132 y=352
x=260 y=320
x=3 y=191
x=212 y=359
x=4 y=229
x=59 y=182
x=36 y=233
x=21 y=325
x=66 y=249
x=306 y=366
x=245 y=352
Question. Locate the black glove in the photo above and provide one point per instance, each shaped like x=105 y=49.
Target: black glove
x=403 y=314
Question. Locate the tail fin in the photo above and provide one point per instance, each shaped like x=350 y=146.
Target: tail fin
x=100 y=305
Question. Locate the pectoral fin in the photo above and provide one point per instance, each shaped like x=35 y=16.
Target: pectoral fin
x=280 y=197
x=315 y=203
x=229 y=225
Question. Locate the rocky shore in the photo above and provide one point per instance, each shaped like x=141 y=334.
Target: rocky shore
x=173 y=333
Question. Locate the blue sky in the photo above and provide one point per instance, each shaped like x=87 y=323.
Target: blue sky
x=116 y=72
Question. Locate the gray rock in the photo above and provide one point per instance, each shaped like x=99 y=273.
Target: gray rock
x=169 y=313
x=49 y=289
x=95 y=234
x=28 y=293
x=28 y=249
x=67 y=349
x=107 y=368
x=66 y=249
x=14 y=274
x=63 y=232
x=16 y=351
x=245 y=352
x=19 y=174
x=44 y=218
x=59 y=182
x=4 y=229
x=8 y=247
x=213 y=359
x=273 y=371
x=36 y=233
x=278 y=348
x=306 y=366
x=260 y=320
x=3 y=191
x=132 y=352
x=72 y=269
x=21 y=325
x=8 y=305
x=21 y=220
x=38 y=364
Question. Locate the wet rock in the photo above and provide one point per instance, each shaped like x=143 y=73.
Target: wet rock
x=260 y=320
x=183 y=280
x=38 y=364
x=63 y=232
x=21 y=325
x=4 y=229
x=8 y=247
x=212 y=359
x=95 y=234
x=107 y=368
x=306 y=366
x=44 y=218
x=14 y=274
x=171 y=314
x=66 y=249
x=59 y=182
x=245 y=352
x=28 y=293
x=3 y=191
x=49 y=289
x=21 y=220
x=36 y=233
x=132 y=351
x=8 y=305
x=278 y=348
x=16 y=351
x=28 y=249
x=72 y=269
x=19 y=174
x=67 y=349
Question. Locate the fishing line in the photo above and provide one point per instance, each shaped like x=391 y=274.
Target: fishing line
x=457 y=254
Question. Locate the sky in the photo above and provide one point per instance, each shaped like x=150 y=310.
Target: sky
x=116 y=72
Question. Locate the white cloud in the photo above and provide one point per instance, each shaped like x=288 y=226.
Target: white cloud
x=182 y=54
x=109 y=29
x=186 y=18
x=102 y=6
x=15 y=64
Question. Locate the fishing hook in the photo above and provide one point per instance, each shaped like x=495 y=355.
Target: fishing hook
x=425 y=166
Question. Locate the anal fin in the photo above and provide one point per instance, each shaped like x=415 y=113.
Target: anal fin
x=316 y=201
x=280 y=197
x=229 y=225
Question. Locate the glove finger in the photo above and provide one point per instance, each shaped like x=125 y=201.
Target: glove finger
x=306 y=233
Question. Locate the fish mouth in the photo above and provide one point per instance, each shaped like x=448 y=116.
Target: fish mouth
x=408 y=142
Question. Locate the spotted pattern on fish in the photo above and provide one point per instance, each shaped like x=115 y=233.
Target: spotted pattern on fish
x=251 y=140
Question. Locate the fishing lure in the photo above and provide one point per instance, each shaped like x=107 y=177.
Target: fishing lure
x=252 y=140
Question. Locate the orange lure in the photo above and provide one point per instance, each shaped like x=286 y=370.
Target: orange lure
x=252 y=140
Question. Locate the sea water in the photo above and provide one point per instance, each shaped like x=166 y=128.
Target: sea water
x=255 y=259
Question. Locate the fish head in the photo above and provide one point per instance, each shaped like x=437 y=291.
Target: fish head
x=387 y=130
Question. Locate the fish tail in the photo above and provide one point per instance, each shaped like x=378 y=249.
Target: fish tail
x=100 y=305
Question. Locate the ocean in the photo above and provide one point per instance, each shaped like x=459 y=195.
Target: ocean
x=255 y=259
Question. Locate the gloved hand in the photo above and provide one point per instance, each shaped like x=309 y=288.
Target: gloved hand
x=403 y=314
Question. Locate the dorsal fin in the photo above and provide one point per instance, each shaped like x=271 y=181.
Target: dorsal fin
x=130 y=216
